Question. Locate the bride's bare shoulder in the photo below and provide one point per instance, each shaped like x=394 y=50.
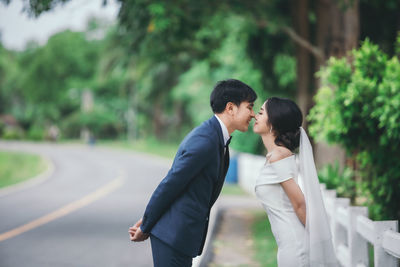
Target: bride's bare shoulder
x=280 y=153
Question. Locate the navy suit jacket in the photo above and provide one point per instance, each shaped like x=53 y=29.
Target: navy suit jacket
x=179 y=208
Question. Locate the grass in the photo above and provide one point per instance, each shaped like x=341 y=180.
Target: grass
x=232 y=189
x=17 y=167
x=265 y=246
x=150 y=146
x=264 y=242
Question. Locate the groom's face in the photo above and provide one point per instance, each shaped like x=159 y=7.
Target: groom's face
x=242 y=116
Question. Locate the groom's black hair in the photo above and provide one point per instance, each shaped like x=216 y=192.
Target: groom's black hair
x=230 y=90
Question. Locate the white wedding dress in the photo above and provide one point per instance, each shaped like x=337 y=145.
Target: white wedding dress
x=286 y=227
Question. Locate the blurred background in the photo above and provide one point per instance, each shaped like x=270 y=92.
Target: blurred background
x=133 y=72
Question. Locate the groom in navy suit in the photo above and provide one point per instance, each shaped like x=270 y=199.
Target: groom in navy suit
x=176 y=217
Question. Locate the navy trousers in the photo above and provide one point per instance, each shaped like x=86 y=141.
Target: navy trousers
x=166 y=256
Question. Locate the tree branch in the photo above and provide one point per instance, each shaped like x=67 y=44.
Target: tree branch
x=297 y=39
x=303 y=42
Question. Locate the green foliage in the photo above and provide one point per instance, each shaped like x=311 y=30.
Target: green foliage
x=71 y=126
x=194 y=90
x=12 y=133
x=380 y=172
x=9 y=77
x=340 y=180
x=37 y=82
x=36 y=133
x=159 y=64
x=398 y=44
x=347 y=98
x=159 y=30
x=179 y=59
x=51 y=70
x=101 y=123
x=285 y=69
x=43 y=84
x=2 y=127
x=36 y=7
x=387 y=111
x=358 y=108
x=230 y=60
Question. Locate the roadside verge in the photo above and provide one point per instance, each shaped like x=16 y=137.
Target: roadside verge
x=38 y=179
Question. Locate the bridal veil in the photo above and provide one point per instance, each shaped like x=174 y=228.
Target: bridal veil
x=318 y=234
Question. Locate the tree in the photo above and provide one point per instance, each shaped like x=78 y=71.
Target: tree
x=65 y=62
x=164 y=40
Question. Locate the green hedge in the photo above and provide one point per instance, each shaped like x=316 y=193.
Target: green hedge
x=358 y=107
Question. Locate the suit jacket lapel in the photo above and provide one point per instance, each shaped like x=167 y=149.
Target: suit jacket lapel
x=224 y=162
x=221 y=143
x=215 y=123
x=221 y=177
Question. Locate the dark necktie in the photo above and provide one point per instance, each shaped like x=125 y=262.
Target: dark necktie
x=226 y=147
x=226 y=158
x=228 y=142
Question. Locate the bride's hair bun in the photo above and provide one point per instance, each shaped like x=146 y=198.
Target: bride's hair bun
x=286 y=118
x=291 y=140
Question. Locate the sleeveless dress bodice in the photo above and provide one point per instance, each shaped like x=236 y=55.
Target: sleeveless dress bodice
x=286 y=227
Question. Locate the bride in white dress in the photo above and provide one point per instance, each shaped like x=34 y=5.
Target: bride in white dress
x=293 y=204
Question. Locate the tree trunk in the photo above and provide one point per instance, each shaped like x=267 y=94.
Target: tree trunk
x=157 y=117
x=338 y=27
x=337 y=33
x=179 y=116
x=300 y=15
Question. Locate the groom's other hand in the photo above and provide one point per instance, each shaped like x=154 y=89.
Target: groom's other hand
x=136 y=233
x=138 y=236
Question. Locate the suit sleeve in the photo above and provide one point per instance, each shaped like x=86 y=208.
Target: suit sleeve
x=186 y=166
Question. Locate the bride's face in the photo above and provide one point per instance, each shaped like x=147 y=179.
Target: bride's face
x=261 y=126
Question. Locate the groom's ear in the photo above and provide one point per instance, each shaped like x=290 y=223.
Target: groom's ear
x=229 y=108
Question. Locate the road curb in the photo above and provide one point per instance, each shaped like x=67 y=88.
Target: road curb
x=30 y=182
x=206 y=256
x=223 y=205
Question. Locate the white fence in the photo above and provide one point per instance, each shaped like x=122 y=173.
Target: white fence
x=351 y=228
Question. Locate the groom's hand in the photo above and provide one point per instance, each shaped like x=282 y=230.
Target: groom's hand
x=136 y=233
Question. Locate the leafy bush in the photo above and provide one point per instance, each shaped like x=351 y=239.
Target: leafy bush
x=340 y=180
x=36 y=133
x=2 y=127
x=358 y=107
x=12 y=133
x=102 y=123
x=71 y=126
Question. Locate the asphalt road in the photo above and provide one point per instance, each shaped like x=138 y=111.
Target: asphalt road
x=80 y=215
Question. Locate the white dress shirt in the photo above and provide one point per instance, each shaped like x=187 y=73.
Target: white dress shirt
x=225 y=132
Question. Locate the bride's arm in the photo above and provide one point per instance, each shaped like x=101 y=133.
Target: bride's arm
x=296 y=197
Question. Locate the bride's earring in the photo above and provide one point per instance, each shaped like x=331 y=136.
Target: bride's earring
x=270 y=130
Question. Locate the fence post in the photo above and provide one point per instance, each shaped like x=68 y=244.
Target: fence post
x=329 y=201
x=358 y=246
x=381 y=257
x=339 y=232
